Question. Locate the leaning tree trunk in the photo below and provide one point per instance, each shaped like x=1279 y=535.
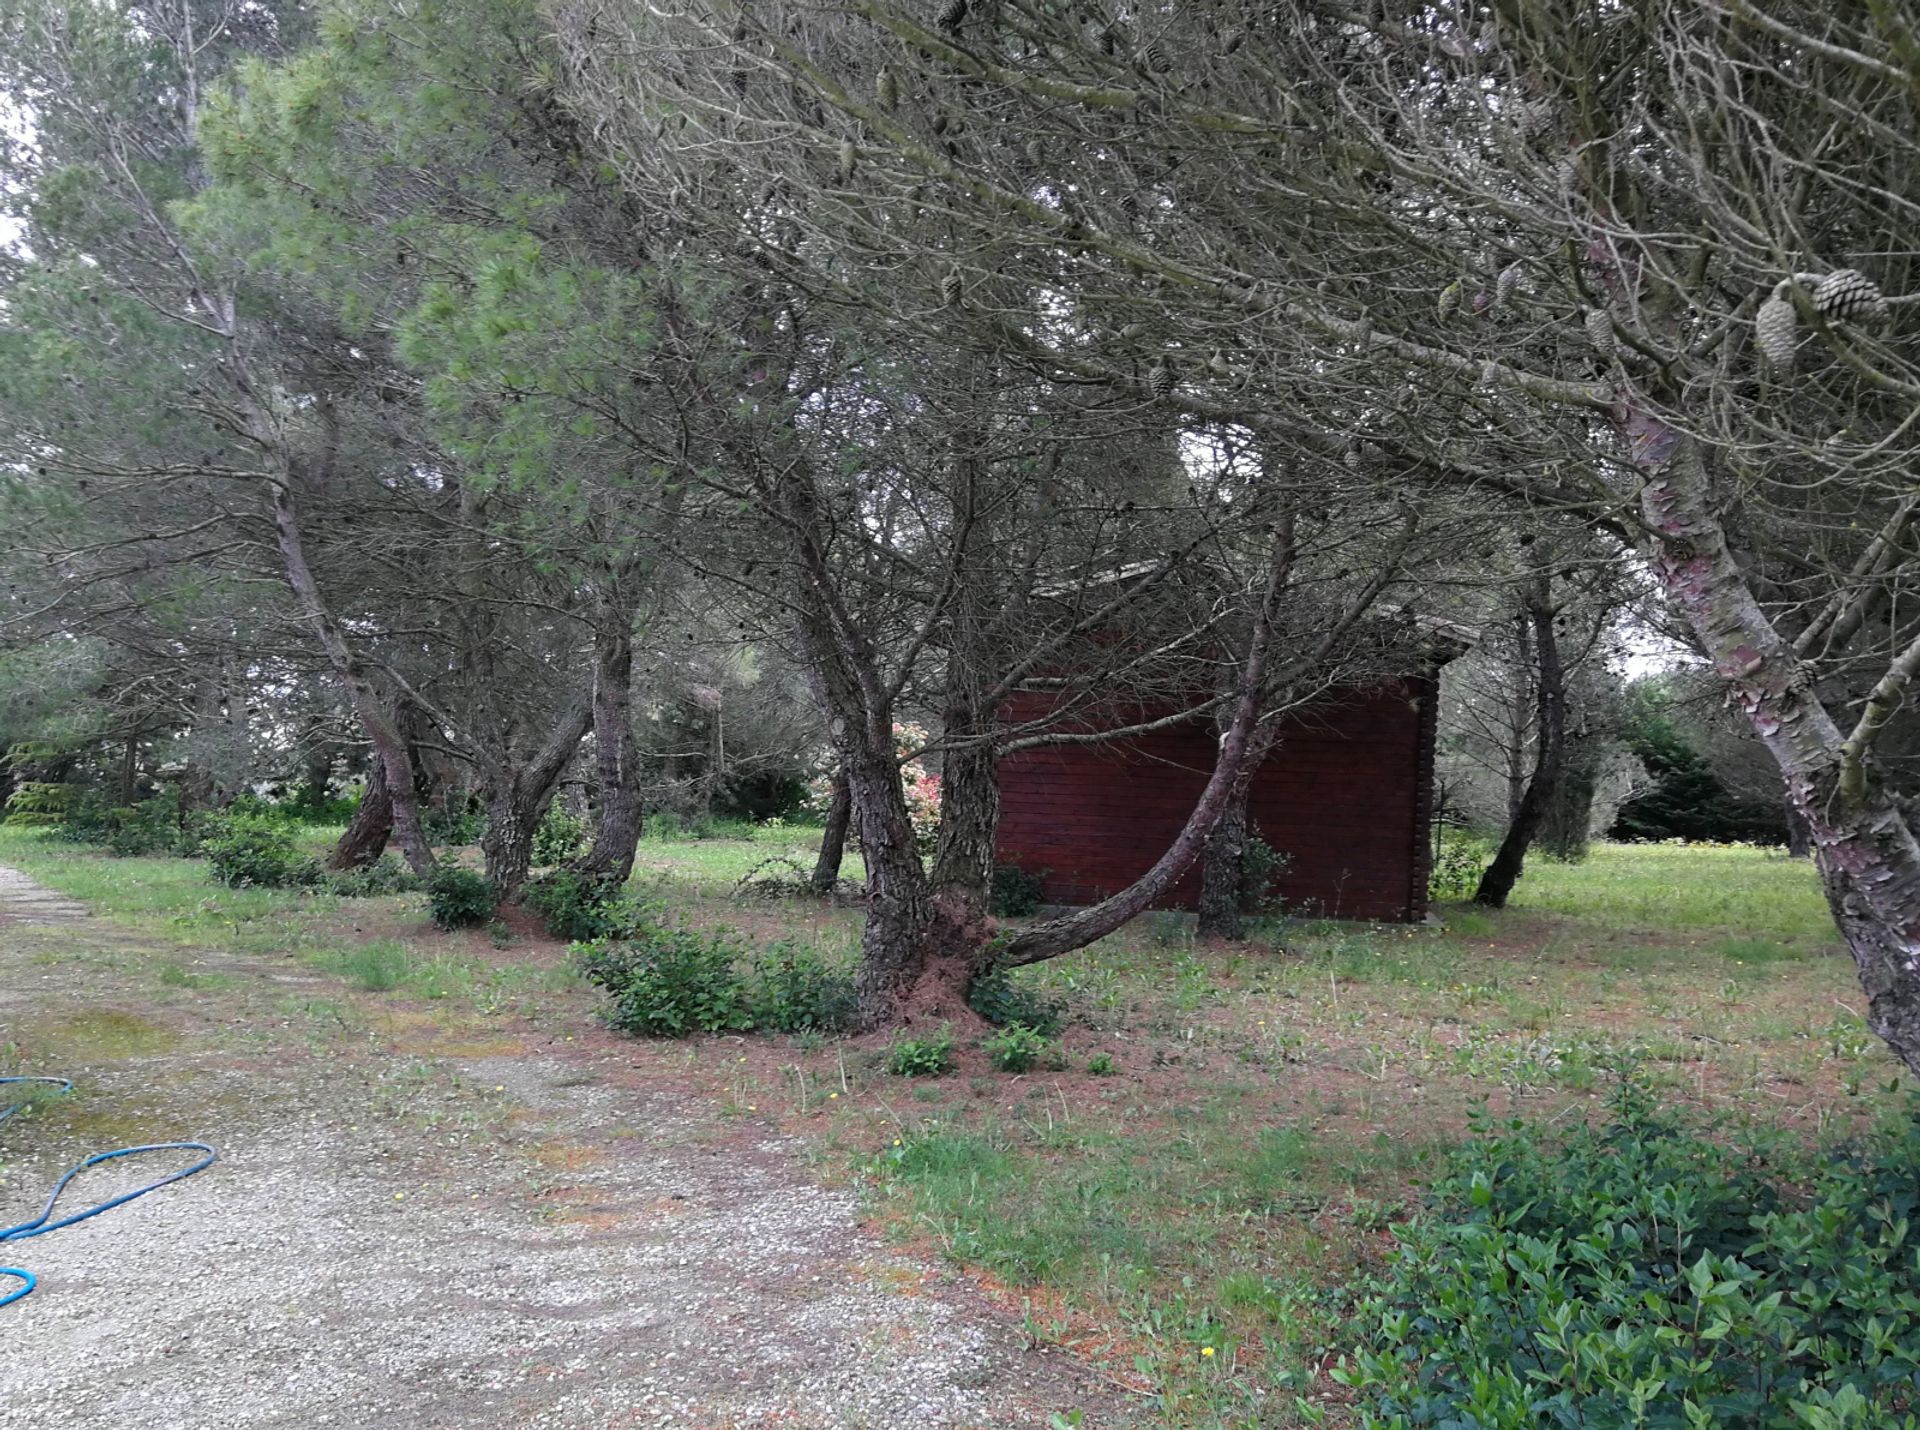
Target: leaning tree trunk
x=365 y=839
x=1550 y=698
x=1865 y=848
x=389 y=747
x=1224 y=895
x=833 y=838
x=518 y=793
x=619 y=815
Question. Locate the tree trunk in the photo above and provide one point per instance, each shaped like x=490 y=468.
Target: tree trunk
x=1221 y=873
x=389 y=747
x=1550 y=697
x=1565 y=832
x=1867 y=853
x=833 y=839
x=518 y=793
x=129 y=770
x=619 y=815
x=1799 y=835
x=365 y=839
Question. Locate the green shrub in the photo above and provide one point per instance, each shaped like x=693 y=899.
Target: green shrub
x=581 y=909
x=796 y=991
x=464 y=826
x=149 y=827
x=668 y=982
x=90 y=819
x=1005 y=1002
x=1017 y=1048
x=1639 y=1274
x=1014 y=892
x=39 y=804
x=247 y=852
x=921 y=1057
x=459 y=898
x=386 y=875
x=1261 y=867
x=1102 y=1065
x=559 y=836
x=1458 y=859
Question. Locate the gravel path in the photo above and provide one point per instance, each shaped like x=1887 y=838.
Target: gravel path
x=516 y=1238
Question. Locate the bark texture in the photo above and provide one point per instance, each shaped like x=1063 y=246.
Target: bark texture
x=619 y=817
x=833 y=838
x=518 y=792
x=365 y=839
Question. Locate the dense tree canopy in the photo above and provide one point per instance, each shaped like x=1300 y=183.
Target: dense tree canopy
x=495 y=386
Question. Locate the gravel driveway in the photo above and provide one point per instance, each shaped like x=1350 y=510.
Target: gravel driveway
x=519 y=1235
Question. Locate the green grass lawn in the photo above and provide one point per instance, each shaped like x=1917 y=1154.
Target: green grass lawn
x=1223 y=1134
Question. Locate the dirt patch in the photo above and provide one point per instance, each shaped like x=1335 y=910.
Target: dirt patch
x=529 y=1231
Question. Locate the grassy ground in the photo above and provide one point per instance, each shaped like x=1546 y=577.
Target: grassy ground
x=1225 y=1133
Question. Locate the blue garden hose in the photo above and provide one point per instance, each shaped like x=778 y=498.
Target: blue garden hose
x=42 y=1224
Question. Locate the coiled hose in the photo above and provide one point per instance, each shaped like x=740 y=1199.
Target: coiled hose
x=44 y=1223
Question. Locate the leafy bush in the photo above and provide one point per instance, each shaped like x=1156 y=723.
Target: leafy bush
x=1014 y=892
x=559 y=836
x=1005 y=1002
x=90 y=819
x=454 y=826
x=921 y=1057
x=1102 y=1065
x=459 y=898
x=581 y=909
x=1261 y=866
x=1639 y=1274
x=796 y=991
x=667 y=982
x=39 y=804
x=1458 y=860
x=247 y=852
x=386 y=875
x=1017 y=1048
x=149 y=827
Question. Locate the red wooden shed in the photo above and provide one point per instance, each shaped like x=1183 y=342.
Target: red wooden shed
x=1346 y=795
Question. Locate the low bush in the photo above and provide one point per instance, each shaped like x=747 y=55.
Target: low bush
x=1640 y=1274
x=246 y=852
x=386 y=875
x=922 y=1057
x=999 y=997
x=669 y=982
x=797 y=991
x=1458 y=860
x=459 y=898
x=1014 y=892
x=581 y=909
x=454 y=826
x=560 y=835
x=149 y=827
x=1017 y=1048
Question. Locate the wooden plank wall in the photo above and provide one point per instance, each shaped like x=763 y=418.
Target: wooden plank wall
x=1344 y=795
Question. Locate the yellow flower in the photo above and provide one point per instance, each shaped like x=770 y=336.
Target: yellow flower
x=1206 y=1350
x=399 y=1196
x=833 y=1097
x=896 y=1141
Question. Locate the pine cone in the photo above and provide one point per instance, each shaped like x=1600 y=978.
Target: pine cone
x=1849 y=296
x=1775 y=329
x=1801 y=679
x=1506 y=284
x=1449 y=299
x=952 y=15
x=950 y=287
x=1153 y=59
x=1599 y=325
x=886 y=88
x=1160 y=378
